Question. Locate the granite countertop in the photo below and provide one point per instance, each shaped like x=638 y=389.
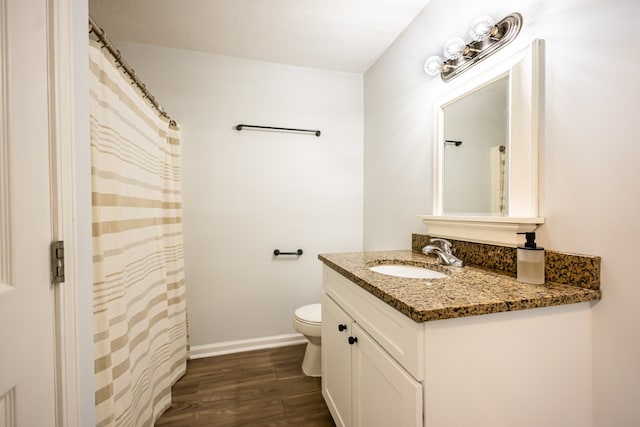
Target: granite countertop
x=467 y=291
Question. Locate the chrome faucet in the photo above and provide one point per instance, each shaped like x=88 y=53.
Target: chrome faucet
x=443 y=252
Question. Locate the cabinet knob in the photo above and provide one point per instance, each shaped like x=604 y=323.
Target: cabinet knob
x=342 y=328
x=353 y=340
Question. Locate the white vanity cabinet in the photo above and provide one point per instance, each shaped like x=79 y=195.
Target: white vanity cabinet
x=384 y=394
x=362 y=383
x=524 y=368
x=337 y=326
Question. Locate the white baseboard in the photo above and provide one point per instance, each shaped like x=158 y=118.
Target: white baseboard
x=226 y=347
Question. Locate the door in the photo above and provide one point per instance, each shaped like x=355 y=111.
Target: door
x=27 y=370
x=384 y=394
x=336 y=361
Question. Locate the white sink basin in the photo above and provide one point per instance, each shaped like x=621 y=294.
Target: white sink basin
x=407 y=271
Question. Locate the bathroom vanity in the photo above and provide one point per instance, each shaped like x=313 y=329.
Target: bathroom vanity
x=476 y=348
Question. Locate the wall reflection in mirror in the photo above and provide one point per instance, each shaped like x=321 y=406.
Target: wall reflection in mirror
x=476 y=144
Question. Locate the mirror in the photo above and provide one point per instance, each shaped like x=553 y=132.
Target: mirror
x=476 y=139
x=497 y=107
x=481 y=192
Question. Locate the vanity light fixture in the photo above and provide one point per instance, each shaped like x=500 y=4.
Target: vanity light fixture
x=433 y=65
x=483 y=27
x=487 y=37
x=454 y=48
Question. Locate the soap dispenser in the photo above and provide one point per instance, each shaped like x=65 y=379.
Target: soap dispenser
x=530 y=261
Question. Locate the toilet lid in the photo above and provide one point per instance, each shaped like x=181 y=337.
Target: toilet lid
x=310 y=313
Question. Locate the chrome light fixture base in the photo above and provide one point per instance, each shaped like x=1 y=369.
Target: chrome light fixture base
x=503 y=33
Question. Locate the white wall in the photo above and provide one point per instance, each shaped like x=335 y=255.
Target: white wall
x=247 y=193
x=589 y=157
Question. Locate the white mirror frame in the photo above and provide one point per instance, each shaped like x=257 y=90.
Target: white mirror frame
x=524 y=68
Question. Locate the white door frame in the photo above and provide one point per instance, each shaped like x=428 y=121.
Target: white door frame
x=56 y=66
x=64 y=140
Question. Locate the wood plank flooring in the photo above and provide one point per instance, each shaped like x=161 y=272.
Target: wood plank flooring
x=256 y=388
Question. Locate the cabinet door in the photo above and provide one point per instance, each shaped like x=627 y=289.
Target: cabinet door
x=384 y=394
x=336 y=361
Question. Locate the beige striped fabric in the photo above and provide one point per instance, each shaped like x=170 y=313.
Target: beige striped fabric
x=140 y=331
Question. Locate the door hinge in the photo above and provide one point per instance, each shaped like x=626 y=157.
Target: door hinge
x=57 y=261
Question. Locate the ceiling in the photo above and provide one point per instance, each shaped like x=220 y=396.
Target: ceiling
x=341 y=35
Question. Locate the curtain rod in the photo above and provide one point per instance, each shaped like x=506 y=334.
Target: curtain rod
x=102 y=38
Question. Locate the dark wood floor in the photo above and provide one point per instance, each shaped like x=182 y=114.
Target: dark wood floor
x=256 y=388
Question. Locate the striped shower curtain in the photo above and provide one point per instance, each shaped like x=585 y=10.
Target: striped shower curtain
x=140 y=336
x=497 y=176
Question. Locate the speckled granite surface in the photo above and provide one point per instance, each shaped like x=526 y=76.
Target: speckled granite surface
x=563 y=268
x=572 y=269
x=467 y=291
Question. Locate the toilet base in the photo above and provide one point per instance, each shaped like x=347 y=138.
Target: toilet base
x=311 y=364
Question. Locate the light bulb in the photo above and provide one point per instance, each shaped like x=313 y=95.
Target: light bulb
x=433 y=65
x=481 y=28
x=454 y=48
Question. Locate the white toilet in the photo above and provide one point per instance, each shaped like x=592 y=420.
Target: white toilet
x=308 y=321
